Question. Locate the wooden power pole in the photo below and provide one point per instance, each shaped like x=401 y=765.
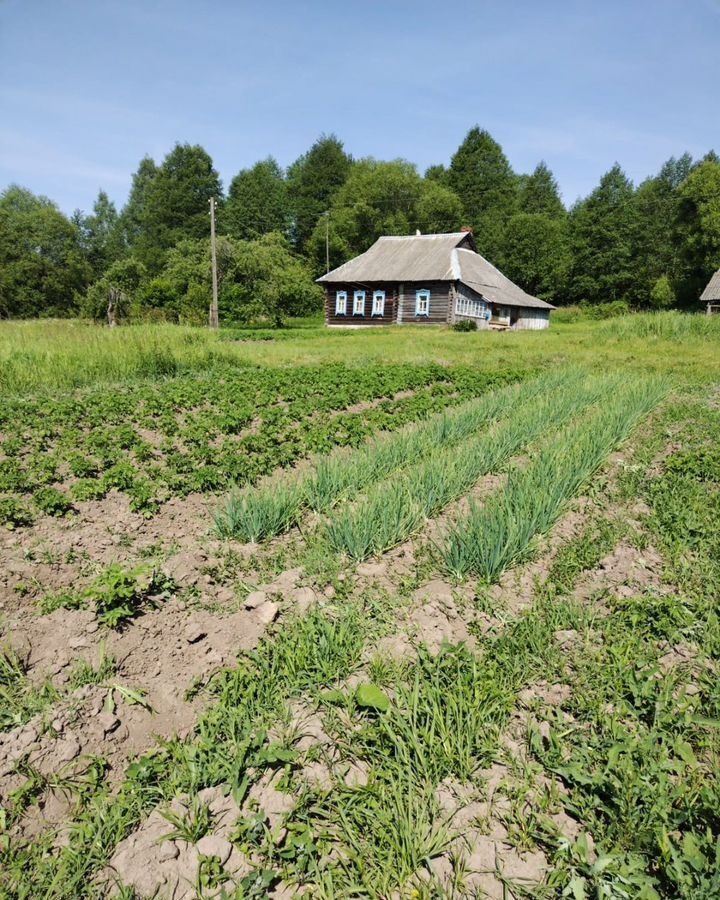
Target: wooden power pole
x=327 y=242
x=213 y=319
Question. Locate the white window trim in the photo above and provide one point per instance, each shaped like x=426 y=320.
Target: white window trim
x=359 y=303
x=378 y=307
x=422 y=302
x=341 y=303
x=468 y=306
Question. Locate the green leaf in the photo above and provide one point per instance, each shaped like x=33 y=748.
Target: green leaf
x=369 y=696
x=692 y=852
x=334 y=697
x=109 y=705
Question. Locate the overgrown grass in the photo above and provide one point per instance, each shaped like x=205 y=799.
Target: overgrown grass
x=500 y=532
x=47 y=355
x=668 y=326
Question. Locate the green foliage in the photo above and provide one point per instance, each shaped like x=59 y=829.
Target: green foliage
x=392 y=510
x=662 y=295
x=658 y=242
x=190 y=826
x=465 y=325
x=699 y=226
x=19 y=700
x=539 y=194
x=42 y=265
x=260 y=280
x=536 y=254
x=175 y=204
x=14 y=513
x=120 y=285
x=101 y=235
x=482 y=178
x=498 y=534
x=269 y=283
x=312 y=181
x=52 y=501
x=702 y=463
x=133 y=215
x=119 y=594
x=370 y=696
x=382 y=198
x=257 y=202
x=603 y=230
x=272 y=508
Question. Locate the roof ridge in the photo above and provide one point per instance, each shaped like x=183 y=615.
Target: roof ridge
x=417 y=237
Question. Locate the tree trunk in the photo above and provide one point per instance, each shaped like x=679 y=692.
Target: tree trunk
x=114 y=296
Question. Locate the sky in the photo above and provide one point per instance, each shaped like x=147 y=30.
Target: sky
x=88 y=87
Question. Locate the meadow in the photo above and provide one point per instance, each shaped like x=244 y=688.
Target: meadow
x=402 y=612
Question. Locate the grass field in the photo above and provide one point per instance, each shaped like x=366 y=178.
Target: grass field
x=400 y=613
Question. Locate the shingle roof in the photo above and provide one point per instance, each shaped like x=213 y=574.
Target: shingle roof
x=480 y=275
x=424 y=257
x=712 y=291
x=433 y=257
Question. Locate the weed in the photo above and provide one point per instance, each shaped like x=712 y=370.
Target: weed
x=191 y=825
x=83 y=672
x=19 y=700
x=119 y=594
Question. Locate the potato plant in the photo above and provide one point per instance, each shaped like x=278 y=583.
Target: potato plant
x=205 y=433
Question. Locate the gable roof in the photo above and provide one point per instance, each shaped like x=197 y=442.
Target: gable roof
x=420 y=257
x=480 y=275
x=433 y=257
x=712 y=291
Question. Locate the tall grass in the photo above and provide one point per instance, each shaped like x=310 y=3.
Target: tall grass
x=264 y=511
x=497 y=534
x=392 y=510
x=668 y=326
x=62 y=355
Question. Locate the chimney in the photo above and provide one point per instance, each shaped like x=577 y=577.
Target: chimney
x=417 y=232
x=467 y=229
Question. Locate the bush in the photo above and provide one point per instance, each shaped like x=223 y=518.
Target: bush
x=566 y=315
x=465 y=325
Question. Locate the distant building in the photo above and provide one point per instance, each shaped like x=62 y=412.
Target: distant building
x=427 y=279
x=711 y=294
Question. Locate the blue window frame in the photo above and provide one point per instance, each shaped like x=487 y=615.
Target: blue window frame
x=341 y=303
x=422 y=303
x=378 y=307
x=359 y=303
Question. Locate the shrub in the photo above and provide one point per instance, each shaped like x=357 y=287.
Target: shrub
x=465 y=325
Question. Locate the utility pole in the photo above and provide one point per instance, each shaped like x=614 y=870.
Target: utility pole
x=327 y=242
x=213 y=319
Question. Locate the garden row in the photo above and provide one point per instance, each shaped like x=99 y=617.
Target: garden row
x=376 y=497
x=205 y=433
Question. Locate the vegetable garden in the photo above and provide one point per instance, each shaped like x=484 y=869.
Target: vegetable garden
x=432 y=631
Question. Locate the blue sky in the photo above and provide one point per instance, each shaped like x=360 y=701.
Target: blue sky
x=87 y=87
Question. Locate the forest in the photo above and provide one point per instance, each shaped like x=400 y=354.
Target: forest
x=624 y=246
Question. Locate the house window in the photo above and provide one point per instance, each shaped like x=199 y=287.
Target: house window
x=468 y=306
x=359 y=303
x=422 y=303
x=341 y=303
x=378 y=303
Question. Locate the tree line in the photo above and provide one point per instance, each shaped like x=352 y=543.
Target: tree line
x=651 y=245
